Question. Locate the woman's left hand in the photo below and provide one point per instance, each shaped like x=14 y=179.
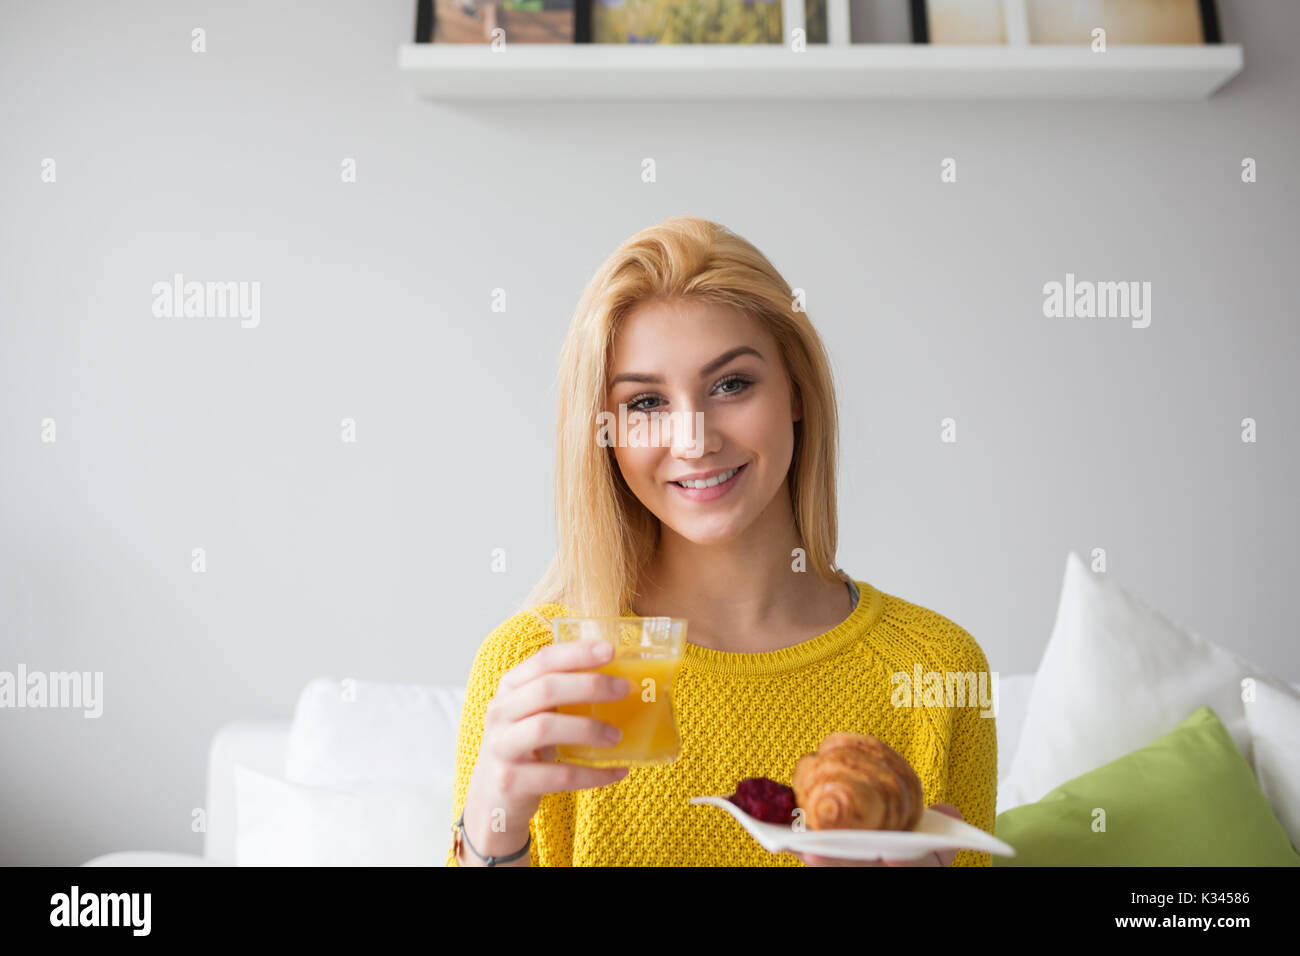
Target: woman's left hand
x=935 y=858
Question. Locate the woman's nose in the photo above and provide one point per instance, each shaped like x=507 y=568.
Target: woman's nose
x=689 y=433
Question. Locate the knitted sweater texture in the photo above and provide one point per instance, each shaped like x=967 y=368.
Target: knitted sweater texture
x=753 y=715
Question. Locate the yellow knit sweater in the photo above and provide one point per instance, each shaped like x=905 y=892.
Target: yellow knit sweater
x=754 y=715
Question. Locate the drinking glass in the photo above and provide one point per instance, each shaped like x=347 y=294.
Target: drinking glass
x=648 y=652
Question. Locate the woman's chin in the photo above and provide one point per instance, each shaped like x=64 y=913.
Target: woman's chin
x=706 y=535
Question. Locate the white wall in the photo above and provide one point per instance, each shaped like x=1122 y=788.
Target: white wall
x=371 y=560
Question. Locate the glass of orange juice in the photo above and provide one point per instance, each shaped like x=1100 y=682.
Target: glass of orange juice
x=648 y=652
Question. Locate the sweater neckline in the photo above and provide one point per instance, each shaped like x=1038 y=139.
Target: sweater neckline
x=740 y=664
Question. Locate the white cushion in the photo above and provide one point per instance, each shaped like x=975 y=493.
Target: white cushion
x=1274 y=721
x=358 y=734
x=259 y=744
x=368 y=776
x=1116 y=675
x=280 y=823
x=1009 y=716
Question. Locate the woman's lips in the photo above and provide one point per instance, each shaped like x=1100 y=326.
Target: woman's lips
x=708 y=494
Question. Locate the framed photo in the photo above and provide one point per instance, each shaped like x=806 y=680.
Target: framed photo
x=687 y=21
x=1065 y=21
x=1125 y=21
x=624 y=21
x=958 y=21
x=814 y=21
x=524 y=21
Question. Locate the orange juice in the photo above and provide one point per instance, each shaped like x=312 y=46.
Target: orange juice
x=645 y=716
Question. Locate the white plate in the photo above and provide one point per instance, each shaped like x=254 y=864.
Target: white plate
x=935 y=831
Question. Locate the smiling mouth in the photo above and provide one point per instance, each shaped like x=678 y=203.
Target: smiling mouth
x=719 y=479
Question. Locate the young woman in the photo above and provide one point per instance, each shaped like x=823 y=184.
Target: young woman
x=782 y=647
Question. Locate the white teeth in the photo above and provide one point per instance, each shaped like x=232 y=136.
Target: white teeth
x=715 y=480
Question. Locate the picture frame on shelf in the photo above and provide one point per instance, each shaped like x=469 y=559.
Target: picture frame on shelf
x=948 y=22
x=740 y=22
x=1064 y=22
x=522 y=21
x=1126 y=22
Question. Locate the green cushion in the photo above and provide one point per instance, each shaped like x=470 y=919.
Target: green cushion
x=1188 y=799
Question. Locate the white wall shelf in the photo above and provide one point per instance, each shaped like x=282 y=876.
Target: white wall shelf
x=601 y=71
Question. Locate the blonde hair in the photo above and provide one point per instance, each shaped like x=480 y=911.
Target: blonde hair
x=605 y=535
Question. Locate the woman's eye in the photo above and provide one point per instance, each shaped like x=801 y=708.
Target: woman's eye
x=742 y=384
x=638 y=404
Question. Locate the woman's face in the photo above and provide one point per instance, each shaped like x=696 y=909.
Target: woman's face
x=666 y=359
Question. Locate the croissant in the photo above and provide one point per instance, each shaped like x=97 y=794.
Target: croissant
x=857 y=781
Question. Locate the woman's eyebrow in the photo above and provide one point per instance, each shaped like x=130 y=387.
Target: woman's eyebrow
x=713 y=366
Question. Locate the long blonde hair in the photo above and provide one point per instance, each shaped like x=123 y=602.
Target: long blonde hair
x=606 y=537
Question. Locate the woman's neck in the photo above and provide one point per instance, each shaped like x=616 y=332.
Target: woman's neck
x=742 y=595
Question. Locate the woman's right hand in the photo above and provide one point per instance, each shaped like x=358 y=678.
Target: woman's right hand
x=516 y=759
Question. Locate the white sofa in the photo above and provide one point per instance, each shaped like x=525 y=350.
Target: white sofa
x=262 y=746
x=257 y=744
x=362 y=774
